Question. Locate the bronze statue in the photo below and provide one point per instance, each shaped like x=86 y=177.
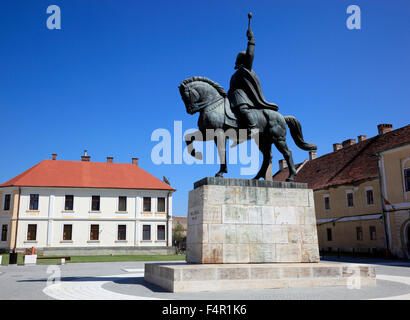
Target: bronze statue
x=243 y=107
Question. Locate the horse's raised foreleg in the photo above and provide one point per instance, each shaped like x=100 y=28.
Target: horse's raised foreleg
x=220 y=142
x=287 y=155
x=189 y=140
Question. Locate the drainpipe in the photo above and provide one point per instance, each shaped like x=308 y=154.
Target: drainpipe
x=17 y=220
x=167 y=231
x=383 y=208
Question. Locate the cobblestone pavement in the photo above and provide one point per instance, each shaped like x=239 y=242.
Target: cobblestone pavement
x=125 y=280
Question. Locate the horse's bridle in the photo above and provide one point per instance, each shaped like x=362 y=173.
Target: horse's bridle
x=202 y=105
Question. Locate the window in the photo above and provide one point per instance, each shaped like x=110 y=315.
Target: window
x=122 y=203
x=160 y=232
x=161 y=205
x=147 y=204
x=146 y=232
x=68 y=232
x=69 y=203
x=122 y=232
x=407 y=178
x=359 y=233
x=94 y=232
x=349 y=197
x=329 y=234
x=32 y=232
x=33 y=202
x=372 y=230
x=327 y=202
x=95 y=203
x=4 y=232
x=7 y=199
x=369 y=197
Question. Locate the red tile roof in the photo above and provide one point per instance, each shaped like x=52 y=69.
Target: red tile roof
x=84 y=174
x=348 y=165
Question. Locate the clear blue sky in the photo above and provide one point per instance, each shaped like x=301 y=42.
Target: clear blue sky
x=109 y=77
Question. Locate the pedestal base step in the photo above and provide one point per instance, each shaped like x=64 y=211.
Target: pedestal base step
x=180 y=277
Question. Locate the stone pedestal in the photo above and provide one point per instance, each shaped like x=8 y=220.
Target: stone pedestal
x=246 y=234
x=246 y=221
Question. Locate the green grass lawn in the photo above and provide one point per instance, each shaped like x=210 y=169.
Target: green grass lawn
x=103 y=258
x=5 y=259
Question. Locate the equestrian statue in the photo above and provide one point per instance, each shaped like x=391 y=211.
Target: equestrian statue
x=243 y=108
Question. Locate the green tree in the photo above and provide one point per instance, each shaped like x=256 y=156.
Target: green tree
x=178 y=234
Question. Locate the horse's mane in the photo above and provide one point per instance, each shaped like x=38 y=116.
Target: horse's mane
x=218 y=88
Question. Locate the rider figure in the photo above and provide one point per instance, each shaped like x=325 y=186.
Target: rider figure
x=245 y=92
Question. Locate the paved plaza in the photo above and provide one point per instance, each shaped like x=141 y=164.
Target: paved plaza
x=125 y=281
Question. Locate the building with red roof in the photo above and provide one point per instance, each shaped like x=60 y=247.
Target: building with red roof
x=73 y=207
x=352 y=188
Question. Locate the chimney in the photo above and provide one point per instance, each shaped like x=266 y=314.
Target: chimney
x=348 y=142
x=337 y=146
x=361 y=138
x=110 y=159
x=54 y=156
x=135 y=161
x=384 y=128
x=85 y=157
x=282 y=164
x=312 y=155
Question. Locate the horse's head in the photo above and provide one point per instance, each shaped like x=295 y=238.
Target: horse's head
x=191 y=96
x=196 y=92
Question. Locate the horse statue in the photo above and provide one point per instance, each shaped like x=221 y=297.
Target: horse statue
x=207 y=97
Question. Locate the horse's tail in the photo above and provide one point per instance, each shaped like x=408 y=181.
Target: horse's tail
x=296 y=132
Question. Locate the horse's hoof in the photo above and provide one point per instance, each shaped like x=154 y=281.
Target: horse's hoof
x=219 y=175
x=256 y=178
x=290 y=179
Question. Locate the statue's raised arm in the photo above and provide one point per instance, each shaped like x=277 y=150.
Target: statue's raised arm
x=250 y=50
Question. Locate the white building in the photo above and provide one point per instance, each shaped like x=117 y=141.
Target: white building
x=72 y=206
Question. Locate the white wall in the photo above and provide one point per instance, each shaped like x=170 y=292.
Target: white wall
x=51 y=216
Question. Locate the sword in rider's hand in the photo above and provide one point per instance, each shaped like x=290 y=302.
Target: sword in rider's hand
x=249 y=33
